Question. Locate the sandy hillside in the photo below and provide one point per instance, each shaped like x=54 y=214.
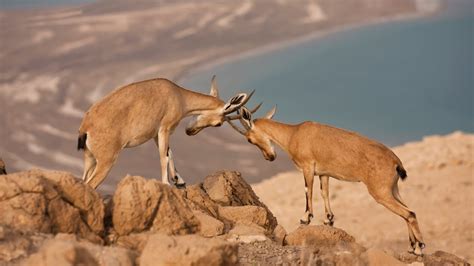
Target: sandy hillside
x=439 y=189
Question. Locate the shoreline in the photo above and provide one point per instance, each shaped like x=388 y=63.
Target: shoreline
x=311 y=36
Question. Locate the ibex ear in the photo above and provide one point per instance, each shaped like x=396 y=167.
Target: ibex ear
x=246 y=118
x=214 y=91
x=235 y=103
x=271 y=113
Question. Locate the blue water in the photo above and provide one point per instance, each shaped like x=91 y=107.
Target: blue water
x=19 y=4
x=393 y=82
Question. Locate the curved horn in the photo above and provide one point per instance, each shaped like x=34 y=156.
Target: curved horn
x=237 y=116
x=235 y=127
x=271 y=113
x=248 y=98
x=214 y=91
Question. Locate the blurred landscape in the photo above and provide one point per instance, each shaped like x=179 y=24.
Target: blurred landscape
x=58 y=57
x=57 y=61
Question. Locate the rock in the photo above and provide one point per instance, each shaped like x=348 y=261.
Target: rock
x=187 y=250
x=318 y=235
x=279 y=234
x=16 y=245
x=246 y=233
x=228 y=188
x=65 y=250
x=140 y=204
x=50 y=202
x=134 y=241
x=443 y=258
x=82 y=197
x=337 y=246
x=199 y=201
x=377 y=257
x=247 y=215
x=437 y=258
x=210 y=226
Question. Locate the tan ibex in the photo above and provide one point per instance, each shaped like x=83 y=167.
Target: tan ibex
x=326 y=151
x=3 y=170
x=136 y=113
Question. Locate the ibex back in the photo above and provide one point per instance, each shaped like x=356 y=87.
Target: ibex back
x=326 y=151
x=136 y=113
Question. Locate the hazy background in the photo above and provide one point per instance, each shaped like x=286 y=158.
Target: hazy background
x=394 y=70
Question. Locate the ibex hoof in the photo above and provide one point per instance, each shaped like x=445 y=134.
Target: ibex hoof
x=181 y=186
x=330 y=223
x=307 y=219
x=418 y=249
x=304 y=222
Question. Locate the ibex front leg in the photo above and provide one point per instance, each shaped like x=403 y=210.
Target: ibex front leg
x=177 y=179
x=308 y=183
x=324 y=181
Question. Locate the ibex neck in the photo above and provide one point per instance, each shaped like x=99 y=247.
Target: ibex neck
x=195 y=102
x=279 y=133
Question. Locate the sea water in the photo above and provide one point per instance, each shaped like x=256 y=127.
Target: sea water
x=394 y=82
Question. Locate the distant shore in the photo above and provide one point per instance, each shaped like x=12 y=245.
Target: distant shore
x=189 y=71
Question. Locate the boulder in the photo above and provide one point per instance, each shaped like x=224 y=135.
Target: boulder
x=318 y=235
x=443 y=258
x=50 y=202
x=134 y=241
x=16 y=245
x=199 y=200
x=377 y=257
x=210 y=226
x=187 y=250
x=246 y=215
x=67 y=250
x=246 y=233
x=228 y=188
x=140 y=204
x=437 y=258
x=279 y=234
x=334 y=244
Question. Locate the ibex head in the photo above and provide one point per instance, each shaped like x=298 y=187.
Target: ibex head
x=254 y=131
x=216 y=116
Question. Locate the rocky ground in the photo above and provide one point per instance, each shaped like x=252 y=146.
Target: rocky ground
x=52 y=218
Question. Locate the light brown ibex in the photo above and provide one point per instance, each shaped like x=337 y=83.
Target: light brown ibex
x=136 y=113
x=326 y=151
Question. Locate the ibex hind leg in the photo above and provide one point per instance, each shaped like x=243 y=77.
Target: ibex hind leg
x=104 y=162
x=390 y=202
x=89 y=164
x=412 y=246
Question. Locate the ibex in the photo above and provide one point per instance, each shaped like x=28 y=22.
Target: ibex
x=136 y=113
x=3 y=170
x=326 y=151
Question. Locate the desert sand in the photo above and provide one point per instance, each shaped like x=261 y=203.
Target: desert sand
x=439 y=189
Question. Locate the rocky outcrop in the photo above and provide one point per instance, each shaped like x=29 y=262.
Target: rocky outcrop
x=51 y=218
x=187 y=250
x=140 y=204
x=50 y=202
x=230 y=189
